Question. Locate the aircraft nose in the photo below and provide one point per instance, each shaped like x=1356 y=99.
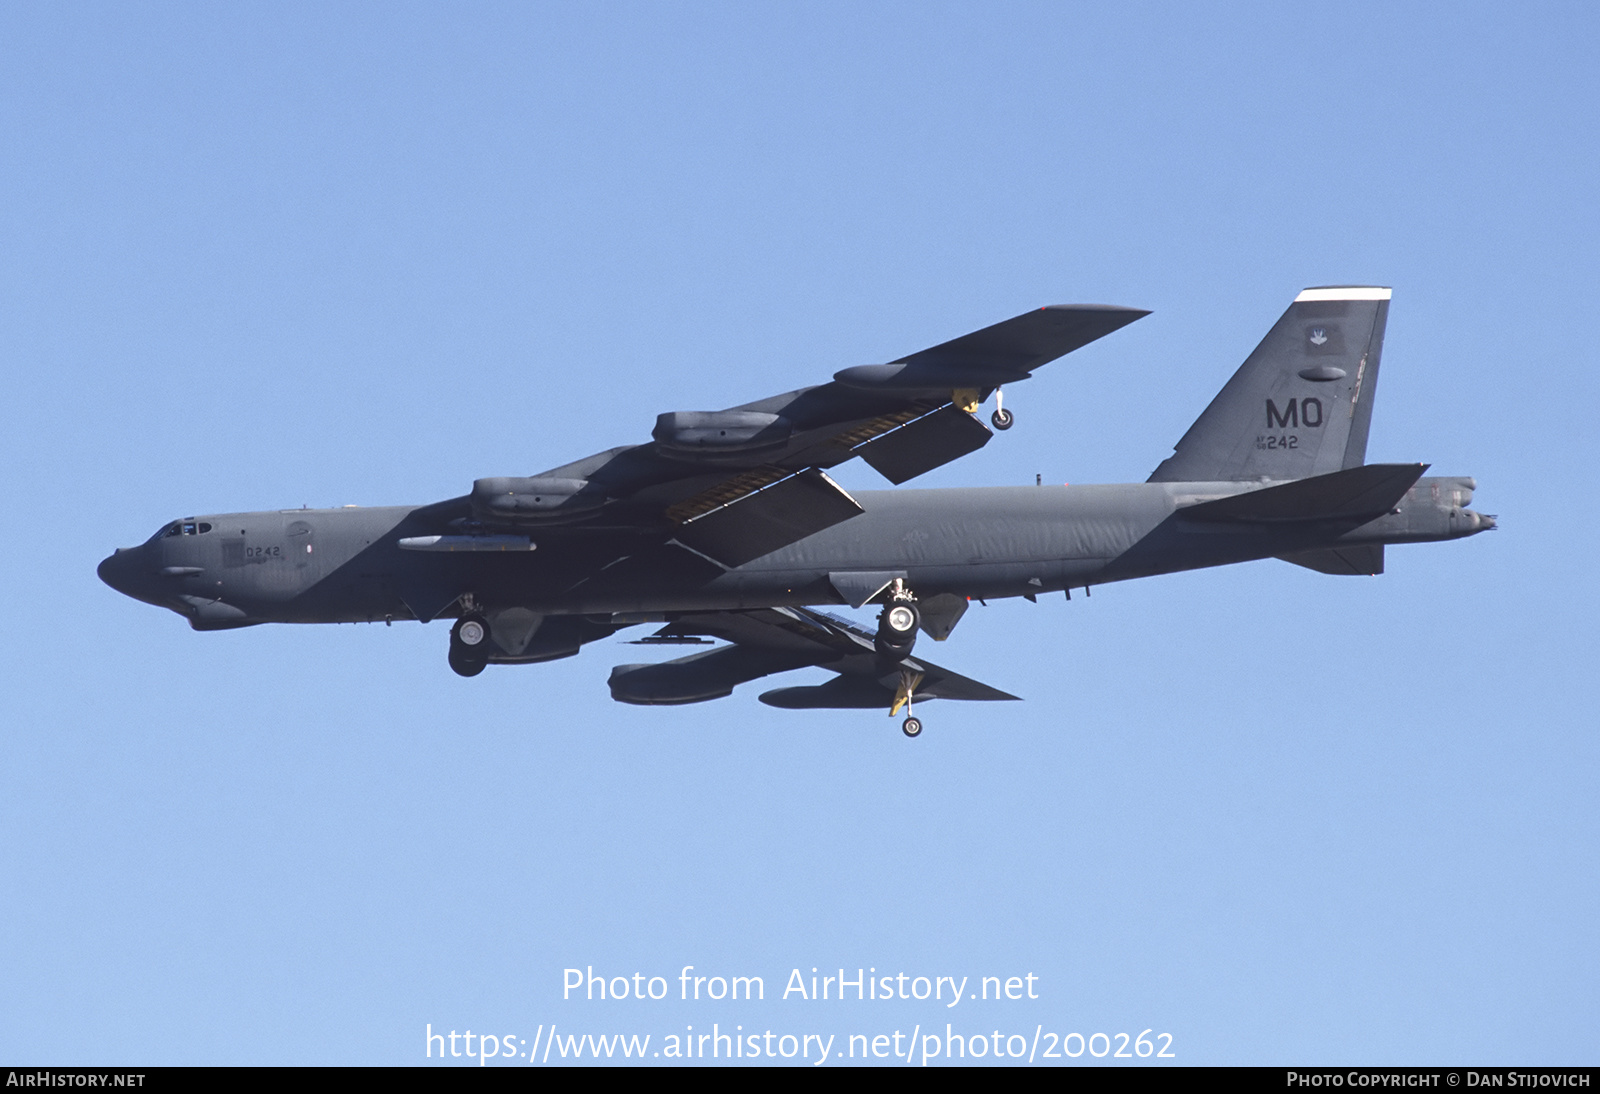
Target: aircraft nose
x=117 y=570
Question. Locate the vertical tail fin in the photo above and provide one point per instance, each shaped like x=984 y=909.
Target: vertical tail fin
x=1301 y=404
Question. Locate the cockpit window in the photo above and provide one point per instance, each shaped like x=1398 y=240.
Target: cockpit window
x=182 y=528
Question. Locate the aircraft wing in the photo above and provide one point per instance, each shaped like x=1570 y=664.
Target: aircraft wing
x=732 y=485
x=769 y=640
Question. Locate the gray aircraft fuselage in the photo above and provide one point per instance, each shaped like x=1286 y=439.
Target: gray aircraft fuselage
x=345 y=565
x=726 y=525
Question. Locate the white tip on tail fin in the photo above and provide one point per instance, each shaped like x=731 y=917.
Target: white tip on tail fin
x=1344 y=292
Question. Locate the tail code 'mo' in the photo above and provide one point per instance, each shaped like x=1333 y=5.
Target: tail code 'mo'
x=1301 y=404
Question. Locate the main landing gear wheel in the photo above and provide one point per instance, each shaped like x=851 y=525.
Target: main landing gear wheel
x=900 y=621
x=911 y=727
x=469 y=645
x=897 y=630
x=465 y=666
x=470 y=632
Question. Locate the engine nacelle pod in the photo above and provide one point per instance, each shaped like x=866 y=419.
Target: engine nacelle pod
x=533 y=499
x=703 y=433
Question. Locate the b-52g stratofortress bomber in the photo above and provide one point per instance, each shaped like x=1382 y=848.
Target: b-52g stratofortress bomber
x=726 y=525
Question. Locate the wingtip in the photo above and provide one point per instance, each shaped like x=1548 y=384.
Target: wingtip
x=1133 y=313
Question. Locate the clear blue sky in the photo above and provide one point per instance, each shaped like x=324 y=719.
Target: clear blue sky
x=259 y=256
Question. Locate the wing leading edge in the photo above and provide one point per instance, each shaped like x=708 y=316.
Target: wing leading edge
x=735 y=484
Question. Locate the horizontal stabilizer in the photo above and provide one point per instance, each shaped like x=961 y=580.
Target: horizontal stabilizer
x=931 y=441
x=762 y=522
x=1365 y=558
x=1359 y=493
